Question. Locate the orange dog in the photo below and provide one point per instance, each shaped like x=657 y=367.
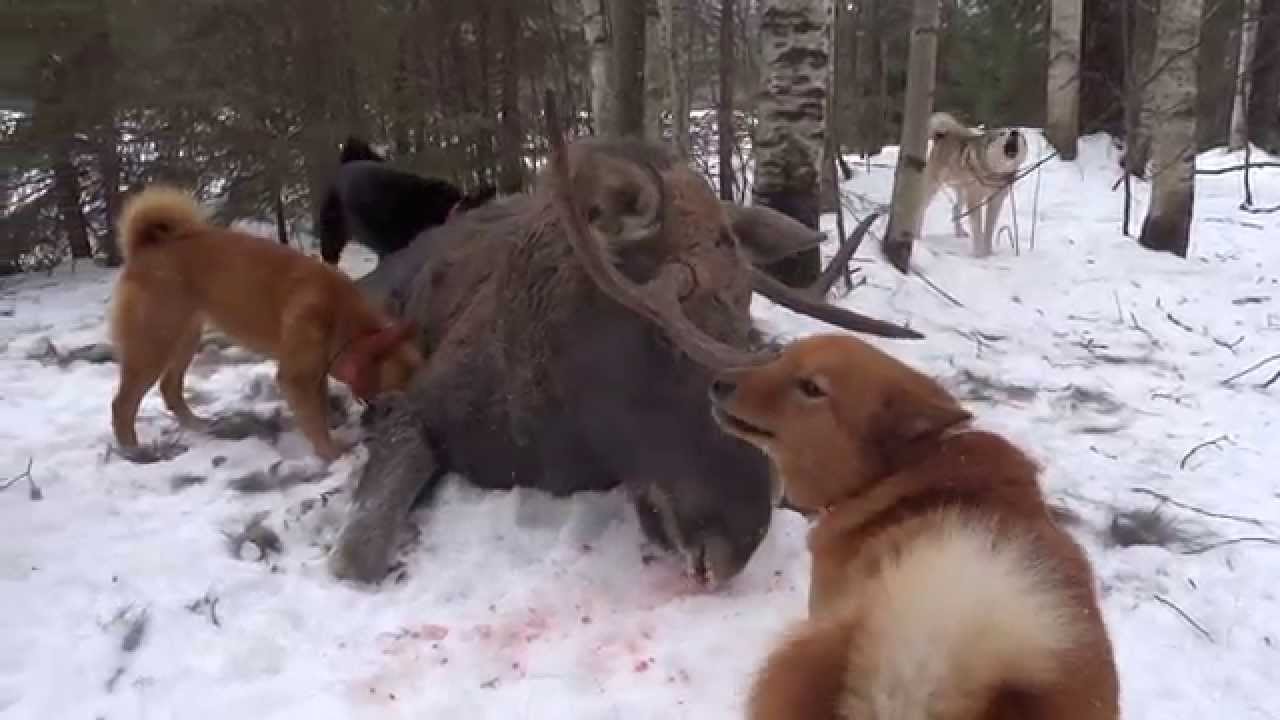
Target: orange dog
x=180 y=270
x=942 y=589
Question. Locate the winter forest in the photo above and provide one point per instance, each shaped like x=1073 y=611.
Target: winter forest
x=427 y=392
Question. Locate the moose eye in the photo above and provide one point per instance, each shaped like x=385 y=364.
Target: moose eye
x=810 y=388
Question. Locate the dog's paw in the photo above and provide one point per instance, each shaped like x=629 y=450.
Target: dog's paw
x=152 y=453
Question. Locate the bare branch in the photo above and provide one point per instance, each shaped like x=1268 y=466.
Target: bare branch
x=1207 y=513
x=1190 y=621
x=1207 y=443
x=1251 y=368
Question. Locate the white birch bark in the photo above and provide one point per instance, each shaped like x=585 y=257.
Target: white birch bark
x=1248 y=43
x=1173 y=141
x=1062 y=126
x=595 y=26
x=795 y=46
x=907 y=206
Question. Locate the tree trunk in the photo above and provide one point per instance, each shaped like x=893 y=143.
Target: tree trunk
x=870 y=81
x=1168 y=223
x=628 y=18
x=829 y=183
x=66 y=184
x=724 y=113
x=511 y=172
x=656 y=52
x=795 y=38
x=1264 y=83
x=1239 y=109
x=906 y=212
x=595 y=24
x=1062 y=126
x=109 y=163
x=674 y=16
x=282 y=224
x=1142 y=66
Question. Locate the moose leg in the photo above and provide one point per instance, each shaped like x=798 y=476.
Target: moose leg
x=400 y=465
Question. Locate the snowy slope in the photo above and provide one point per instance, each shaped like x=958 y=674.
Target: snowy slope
x=122 y=598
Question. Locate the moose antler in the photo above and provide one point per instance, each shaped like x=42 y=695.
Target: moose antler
x=659 y=299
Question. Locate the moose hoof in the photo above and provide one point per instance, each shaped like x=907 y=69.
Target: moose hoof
x=358 y=562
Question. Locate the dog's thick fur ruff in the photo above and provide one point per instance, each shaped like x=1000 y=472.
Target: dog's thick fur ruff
x=942 y=588
x=979 y=167
x=383 y=208
x=180 y=271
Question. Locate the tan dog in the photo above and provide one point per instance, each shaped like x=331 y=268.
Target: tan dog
x=980 y=166
x=942 y=589
x=180 y=270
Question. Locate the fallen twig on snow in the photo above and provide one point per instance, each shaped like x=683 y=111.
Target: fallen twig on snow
x=1207 y=443
x=1200 y=550
x=1251 y=368
x=950 y=298
x=1192 y=508
x=35 y=492
x=1236 y=168
x=1190 y=620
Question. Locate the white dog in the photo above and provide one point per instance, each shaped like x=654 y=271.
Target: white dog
x=980 y=166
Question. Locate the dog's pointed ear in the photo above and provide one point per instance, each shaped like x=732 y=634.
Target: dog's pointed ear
x=914 y=413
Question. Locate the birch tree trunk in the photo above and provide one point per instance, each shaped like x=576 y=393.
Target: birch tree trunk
x=795 y=51
x=1264 y=81
x=627 y=23
x=724 y=112
x=829 y=185
x=1062 y=127
x=595 y=25
x=1173 y=144
x=1240 y=108
x=673 y=16
x=906 y=212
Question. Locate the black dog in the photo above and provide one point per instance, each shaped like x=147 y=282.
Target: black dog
x=382 y=208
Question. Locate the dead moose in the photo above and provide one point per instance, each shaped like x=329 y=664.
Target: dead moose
x=571 y=334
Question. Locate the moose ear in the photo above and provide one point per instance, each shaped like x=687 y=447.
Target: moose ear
x=767 y=235
x=623 y=199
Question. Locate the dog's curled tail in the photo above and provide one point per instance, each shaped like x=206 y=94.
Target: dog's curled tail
x=961 y=619
x=155 y=215
x=942 y=124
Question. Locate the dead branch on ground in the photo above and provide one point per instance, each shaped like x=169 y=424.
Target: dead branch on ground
x=1207 y=443
x=1201 y=511
x=1190 y=621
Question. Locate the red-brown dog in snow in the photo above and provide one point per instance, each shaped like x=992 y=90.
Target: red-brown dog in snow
x=180 y=271
x=942 y=588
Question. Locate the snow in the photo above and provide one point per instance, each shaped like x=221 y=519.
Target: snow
x=1102 y=359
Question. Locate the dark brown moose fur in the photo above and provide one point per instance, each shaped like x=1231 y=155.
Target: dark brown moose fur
x=941 y=587
x=541 y=376
x=181 y=271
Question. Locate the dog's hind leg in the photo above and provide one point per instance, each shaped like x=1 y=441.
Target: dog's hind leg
x=303 y=375
x=172 y=380
x=144 y=344
x=973 y=202
x=957 y=213
x=991 y=217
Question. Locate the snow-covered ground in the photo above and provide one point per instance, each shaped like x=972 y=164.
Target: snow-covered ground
x=120 y=595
